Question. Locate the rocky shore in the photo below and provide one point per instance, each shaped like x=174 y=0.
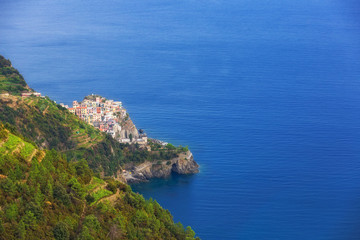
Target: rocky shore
x=183 y=164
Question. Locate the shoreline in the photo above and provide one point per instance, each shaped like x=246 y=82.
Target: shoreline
x=184 y=164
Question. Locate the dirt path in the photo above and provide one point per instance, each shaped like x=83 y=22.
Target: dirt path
x=32 y=155
x=84 y=141
x=18 y=148
x=102 y=186
x=45 y=111
x=112 y=198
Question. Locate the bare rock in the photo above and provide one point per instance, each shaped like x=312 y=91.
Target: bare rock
x=184 y=164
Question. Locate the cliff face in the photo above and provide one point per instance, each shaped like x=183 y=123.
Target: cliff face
x=127 y=128
x=184 y=164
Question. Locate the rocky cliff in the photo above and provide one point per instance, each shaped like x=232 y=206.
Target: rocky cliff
x=184 y=164
x=127 y=128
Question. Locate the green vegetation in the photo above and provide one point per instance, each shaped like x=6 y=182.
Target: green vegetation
x=10 y=145
x=101 y=194
x=48 y=188
x=50 y=198
x=10 y=79
x=95 y=182
x=165 y=152
x=27 y=150
x=48 y=125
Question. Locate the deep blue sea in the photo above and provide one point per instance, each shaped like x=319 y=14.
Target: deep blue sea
x=265 y=93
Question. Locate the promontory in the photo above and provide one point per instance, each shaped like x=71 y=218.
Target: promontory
x=64 y=172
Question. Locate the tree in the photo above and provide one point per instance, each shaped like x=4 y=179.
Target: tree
x=61 y=231
x=111 y=186
x=83 y=171
x=21 y=231
x=36 y=209
x=61 y=194
x=169 y=146
x=16 y=174
x=131 y=137
x=140 y=219
x=190 y=234
x=49 y=189
x=11 y=211
x=89 y=199
x=29 y=220
x=39 y=197
x=76 y=187
x=85 y=234
x=8 y=186
x=1 y=226
x=92 y=222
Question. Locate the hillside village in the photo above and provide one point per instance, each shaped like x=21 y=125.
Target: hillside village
x=108 y=116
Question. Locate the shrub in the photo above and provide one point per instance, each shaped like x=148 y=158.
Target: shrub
x=111 y=186
x=169 y=146
x=60 y=193
x=92 y=222
x=61 y=231
x=89 y=199
x=11 y=212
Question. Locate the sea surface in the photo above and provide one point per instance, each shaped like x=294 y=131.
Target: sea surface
x=266 y=94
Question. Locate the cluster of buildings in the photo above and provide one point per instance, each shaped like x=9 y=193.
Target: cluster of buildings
x=105 y=115
x=101 y=113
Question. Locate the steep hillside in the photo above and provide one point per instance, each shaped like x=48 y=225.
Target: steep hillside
x=50 y=126
x=43 y=196
x=10 y=79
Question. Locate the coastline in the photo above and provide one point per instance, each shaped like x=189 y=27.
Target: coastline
x=184 y=164
x=110 y=117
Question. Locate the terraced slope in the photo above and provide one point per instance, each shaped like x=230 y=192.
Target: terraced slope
x=42 y=196
x=13 y=145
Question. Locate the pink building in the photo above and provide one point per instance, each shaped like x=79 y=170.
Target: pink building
x=78 y=111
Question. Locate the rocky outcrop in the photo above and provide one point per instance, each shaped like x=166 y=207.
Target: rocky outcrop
x=127 y=128
x=184 y=164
